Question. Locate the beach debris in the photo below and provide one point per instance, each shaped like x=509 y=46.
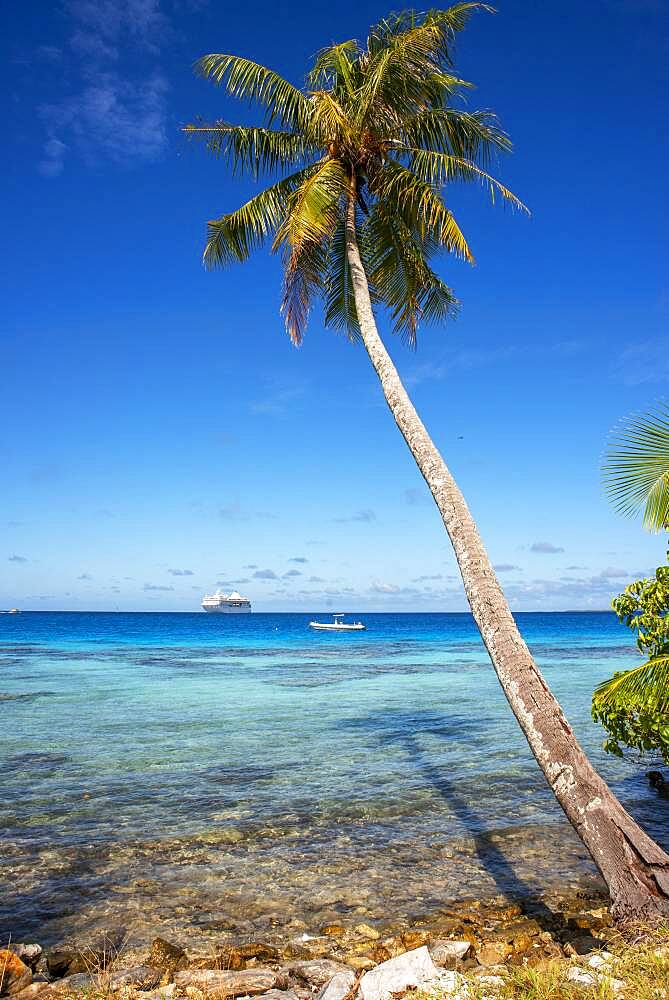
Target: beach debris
x=581 y=976
x=15 y=975
x=601 y=960
x=215 y=982
x=447 y=982
x=316 y=971
x=413 y=968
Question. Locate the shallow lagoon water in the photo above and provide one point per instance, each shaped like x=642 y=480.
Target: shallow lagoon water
x=204 y=775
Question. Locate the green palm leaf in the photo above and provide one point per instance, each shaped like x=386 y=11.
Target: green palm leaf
x=249 y=80
x=340 y=310
x=401 y=276
x=636 y=468
x=314 y=207
x=421 y=208
x=438 y=169
x=250 y=149
x=644 y=687
x=234 y=236
x=376 y=123
x=466 y=134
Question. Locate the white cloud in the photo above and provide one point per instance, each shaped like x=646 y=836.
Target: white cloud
x=546 y=548
x=380 y=587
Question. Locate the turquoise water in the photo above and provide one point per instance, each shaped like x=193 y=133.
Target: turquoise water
x=203 y=774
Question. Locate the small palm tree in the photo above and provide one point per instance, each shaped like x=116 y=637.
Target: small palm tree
x=633 y=705
x=636 y=467
x=365 y=153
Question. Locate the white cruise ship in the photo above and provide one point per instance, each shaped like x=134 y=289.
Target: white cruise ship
x=226 y=604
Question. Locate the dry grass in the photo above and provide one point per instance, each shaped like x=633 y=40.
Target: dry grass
x=642 y=965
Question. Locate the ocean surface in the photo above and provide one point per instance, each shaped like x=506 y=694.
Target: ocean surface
x=200 y=776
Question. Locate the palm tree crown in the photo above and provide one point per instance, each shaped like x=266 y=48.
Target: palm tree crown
x=375 y=124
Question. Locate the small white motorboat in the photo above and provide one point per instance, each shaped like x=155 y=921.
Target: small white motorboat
x=338 y=625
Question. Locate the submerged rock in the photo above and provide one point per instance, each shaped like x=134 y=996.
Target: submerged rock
x=398 y=974
x=15 y=975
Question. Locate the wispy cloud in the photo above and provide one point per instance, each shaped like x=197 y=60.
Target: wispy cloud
x=381 y=587
x=504 y=567
x=298 y=559
x=470 y=358
x=292 y=572
x=545 y=548
x=278 y=400
x=363 y=516
x=416 y=497
x=265 y=574
x=17 y=559
x=111 y=113
x=642 y=362
x=155 y=586
x=85 y=576
x=424 y=579
x=180 y=572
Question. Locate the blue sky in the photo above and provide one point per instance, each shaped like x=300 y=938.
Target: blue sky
x=160 y=434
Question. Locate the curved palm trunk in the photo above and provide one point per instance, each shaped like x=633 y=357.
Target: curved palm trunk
x=634 y=867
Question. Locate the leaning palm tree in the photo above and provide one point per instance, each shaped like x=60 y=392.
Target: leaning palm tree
x=364 y=153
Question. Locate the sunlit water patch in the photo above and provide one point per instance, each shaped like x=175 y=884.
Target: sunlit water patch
x=202 y=775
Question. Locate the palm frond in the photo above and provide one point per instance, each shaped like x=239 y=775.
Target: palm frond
x=249 y=80
x=340 y=310
x=636 y=468
x=645 y=687
x=401 y=276
x=314 y=207
x=440 y=168
x=472 y=135
x=329 y=124
x=336 y=68
x=395 y=75
x=251 y=149
x=421 y=208
x=234 y=236
x=304 y=274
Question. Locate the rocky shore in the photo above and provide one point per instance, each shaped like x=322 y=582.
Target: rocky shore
x=336 y=961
